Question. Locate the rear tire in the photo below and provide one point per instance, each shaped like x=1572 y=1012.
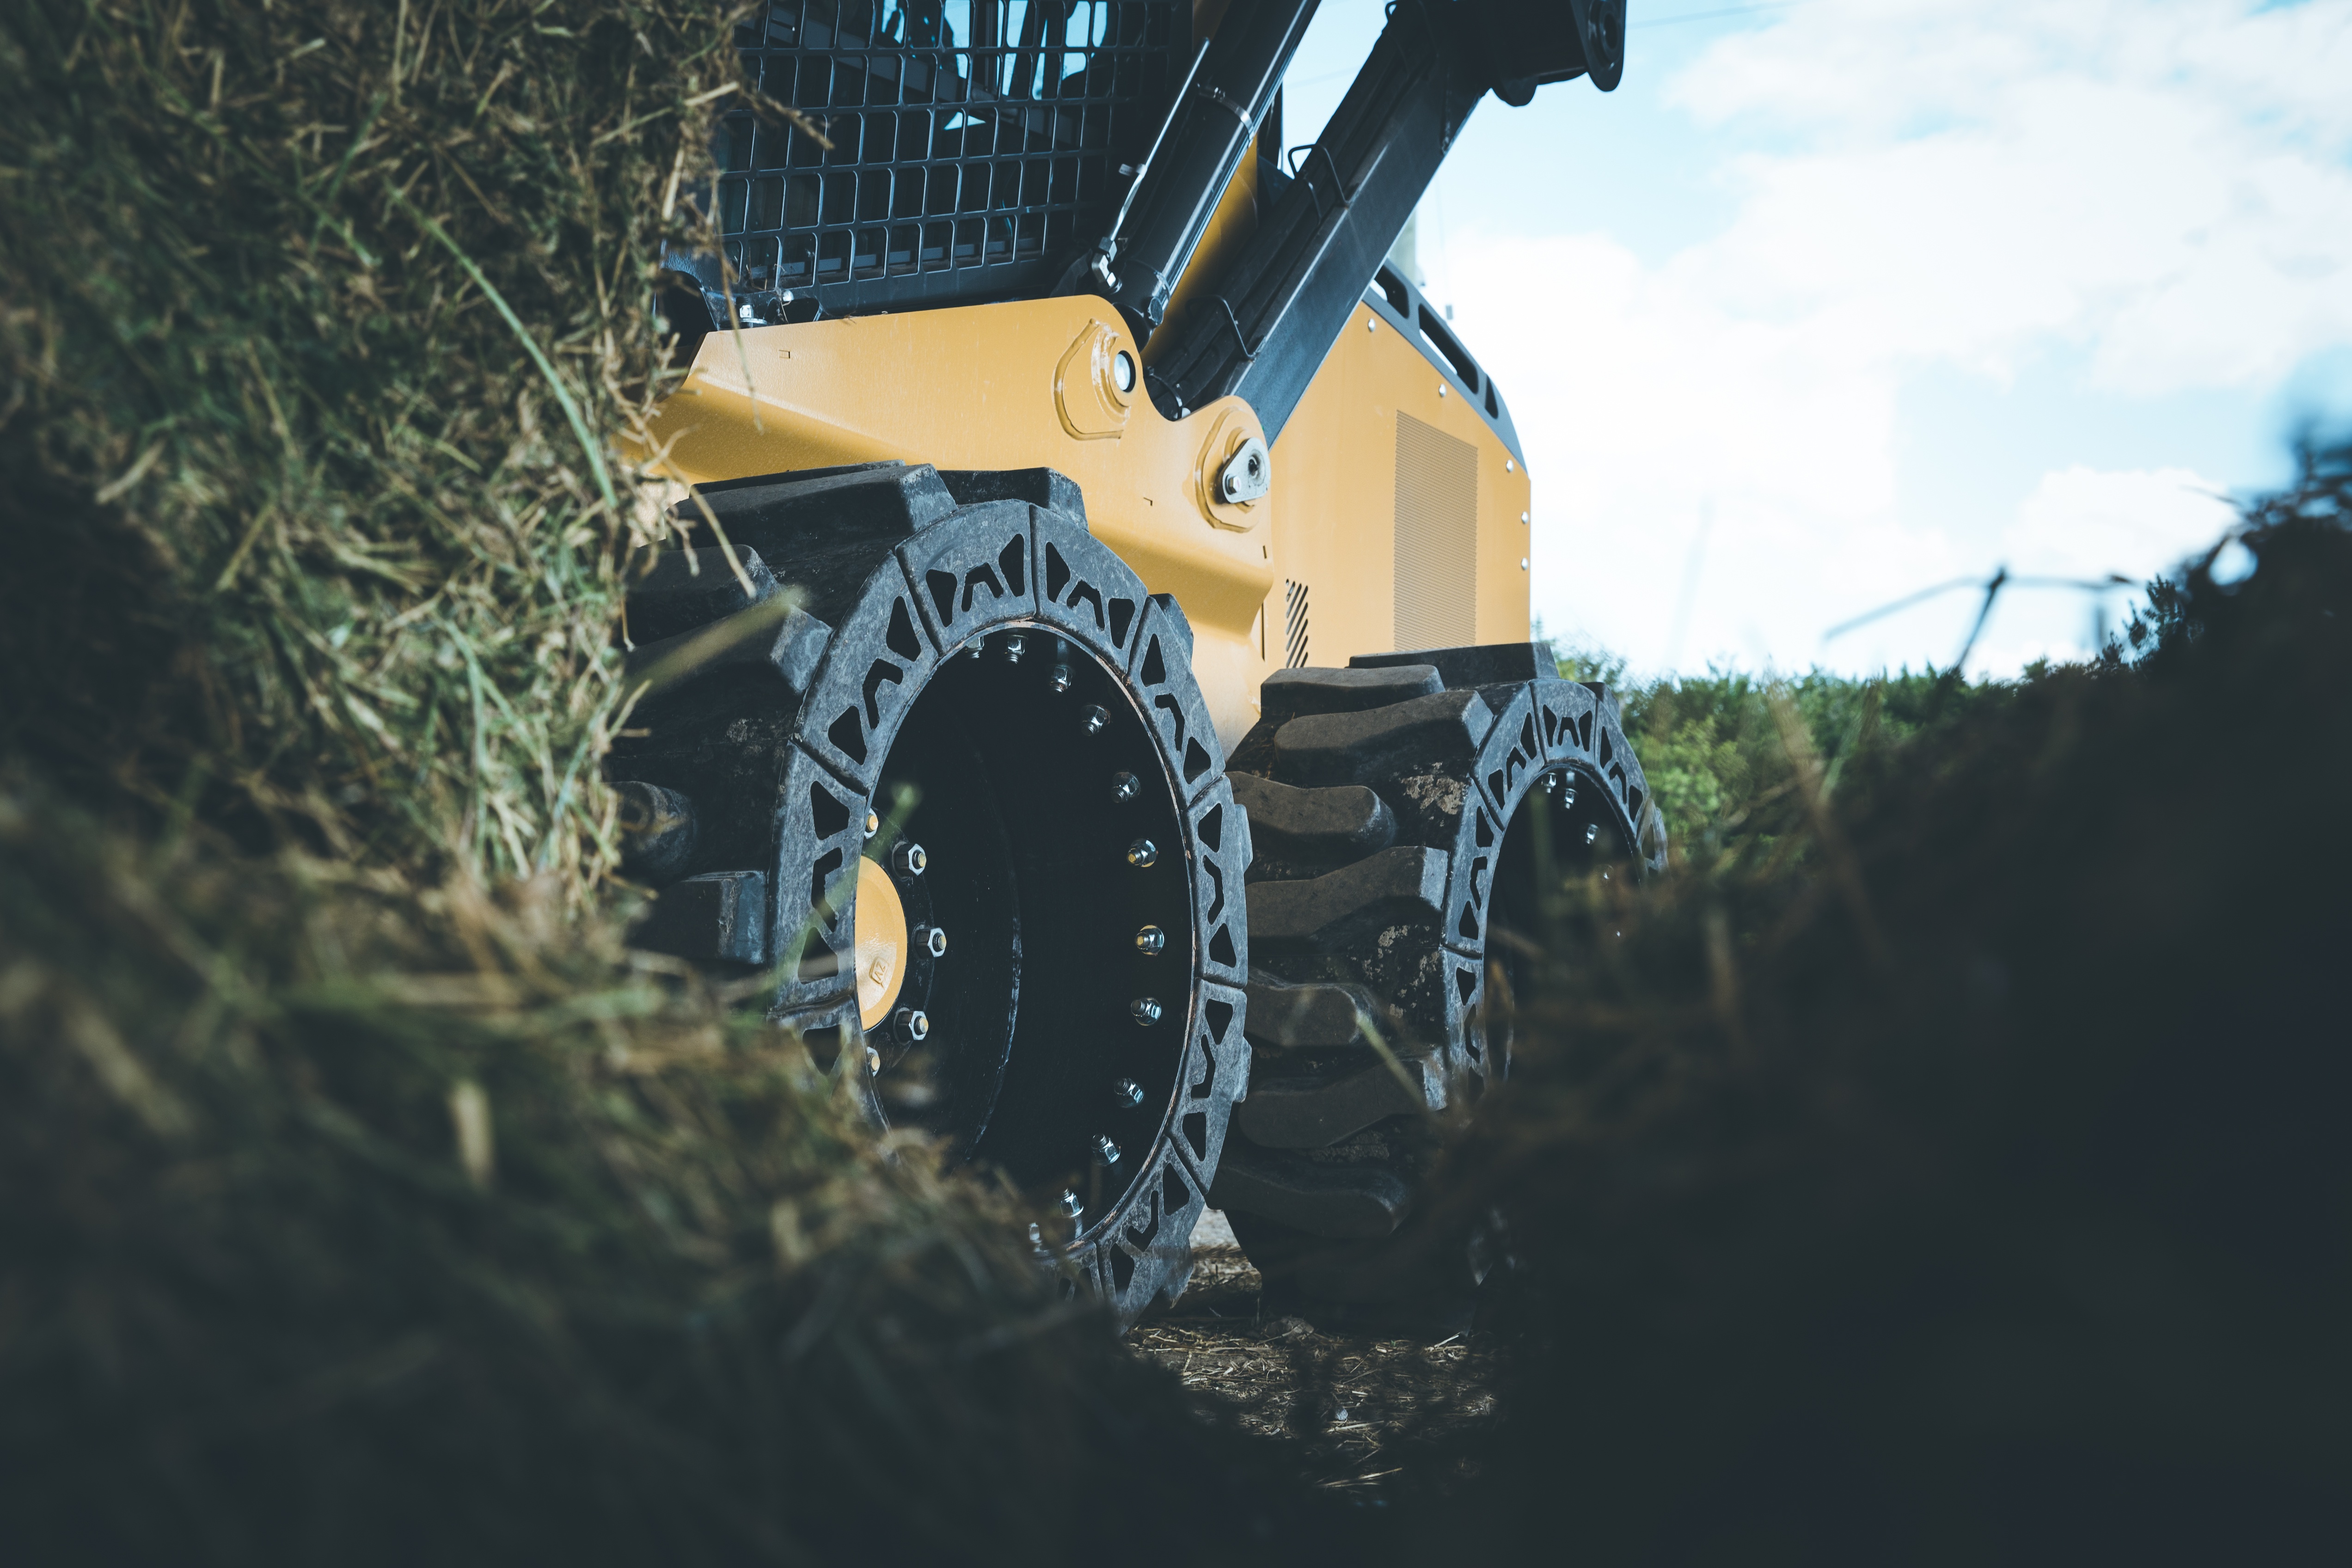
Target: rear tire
x=961 y=642
x=1399 y=809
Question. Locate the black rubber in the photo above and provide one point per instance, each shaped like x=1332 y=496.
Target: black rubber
x=1400 y=808
x=953 y=660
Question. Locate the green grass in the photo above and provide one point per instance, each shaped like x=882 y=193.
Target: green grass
x=1716 y=756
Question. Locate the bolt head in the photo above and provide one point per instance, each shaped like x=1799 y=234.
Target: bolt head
x=933 y=939
x=1592 y=832
x=1122 y=371
x=1151 y=941
x=1143 y=855
x=1015 y=645
x=1128 y=1093
x=1094 y=718
x=1058 y=678
x=1125 y=786
x=912 y=1023
x=873 y=823
x=1072 y=1204
x=1146 y=1010
x=908 y=859
x=1107 y=1150
x=873 y=1062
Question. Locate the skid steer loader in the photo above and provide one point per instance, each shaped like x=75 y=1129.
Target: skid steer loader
x=1100 y=684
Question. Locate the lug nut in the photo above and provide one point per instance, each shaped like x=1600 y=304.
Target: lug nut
x=1072 y=1204
x=931 y=939
x=1014 y=646
x=973 y=650
x=1107 y=1150
x=910 y=1024
x=1591 y=831
x=1058 y=678
x=873 y=1062
x=1128 y=1092
x=1146 y=1010
x=1125 y=786
x=1143 y=853
x=1093 y=720
x=908 y=859
x=873 y=823
x=1151 y=942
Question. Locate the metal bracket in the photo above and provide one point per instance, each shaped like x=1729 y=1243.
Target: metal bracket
x=1247 y=475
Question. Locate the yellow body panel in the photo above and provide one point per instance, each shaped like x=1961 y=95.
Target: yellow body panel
x=1026 y=384
x=1336 y=472
x=1033 y=385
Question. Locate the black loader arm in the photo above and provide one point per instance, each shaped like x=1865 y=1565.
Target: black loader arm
x=1282 y=299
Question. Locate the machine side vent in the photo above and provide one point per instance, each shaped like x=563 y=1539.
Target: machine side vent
x=1437 y=536
x=1294 y=624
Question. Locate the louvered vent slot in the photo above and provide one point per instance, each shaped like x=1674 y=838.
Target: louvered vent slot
x=1294 y=624
x=1437 y=536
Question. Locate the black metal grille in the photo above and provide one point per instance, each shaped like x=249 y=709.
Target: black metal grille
x=977 y=146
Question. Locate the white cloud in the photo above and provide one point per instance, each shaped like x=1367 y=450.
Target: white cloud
x=2083 y=523
x=2160 y=186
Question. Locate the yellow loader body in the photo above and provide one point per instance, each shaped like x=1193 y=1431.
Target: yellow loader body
x=1396 y=518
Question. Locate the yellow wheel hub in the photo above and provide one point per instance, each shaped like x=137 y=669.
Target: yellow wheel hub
x=881 y=943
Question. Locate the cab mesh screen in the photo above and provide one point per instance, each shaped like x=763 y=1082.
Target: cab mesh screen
x=977 y=145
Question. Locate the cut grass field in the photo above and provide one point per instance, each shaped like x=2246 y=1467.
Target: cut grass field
x=1943 y=1163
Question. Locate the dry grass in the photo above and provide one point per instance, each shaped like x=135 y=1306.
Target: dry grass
x=365 y=1203
x=322 y=319
x=1962 y=1181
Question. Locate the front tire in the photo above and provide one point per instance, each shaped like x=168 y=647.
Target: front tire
x=946 y=770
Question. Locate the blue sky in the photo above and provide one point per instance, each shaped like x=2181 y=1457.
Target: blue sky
x=1835 y=300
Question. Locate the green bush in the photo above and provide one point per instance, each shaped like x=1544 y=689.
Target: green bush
x=1959 y=1180
x=1716 y=753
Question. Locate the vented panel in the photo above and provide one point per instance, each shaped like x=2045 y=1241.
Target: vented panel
x=1437 y=536
x=1294 y=624
x=977 y=145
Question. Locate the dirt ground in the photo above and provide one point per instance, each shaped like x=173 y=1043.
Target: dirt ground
x=1358 y=1402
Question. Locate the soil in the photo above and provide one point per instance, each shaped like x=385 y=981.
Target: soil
x=1359 y=1403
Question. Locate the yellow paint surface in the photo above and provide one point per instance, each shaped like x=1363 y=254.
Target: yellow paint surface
x=880 y=931
x=1033 y=385
x=1025 y=384
x=1334 y=474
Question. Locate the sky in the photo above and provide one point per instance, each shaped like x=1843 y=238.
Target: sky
x=1834 y=300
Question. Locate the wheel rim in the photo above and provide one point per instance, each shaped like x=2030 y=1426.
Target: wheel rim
x=1043 y=871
